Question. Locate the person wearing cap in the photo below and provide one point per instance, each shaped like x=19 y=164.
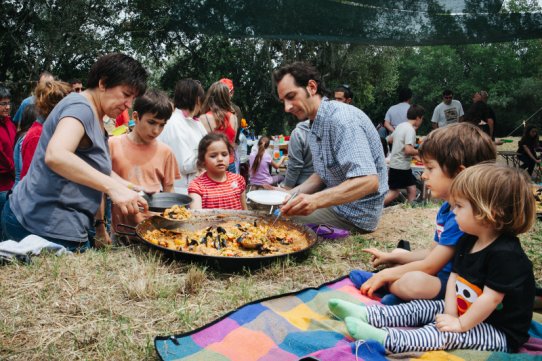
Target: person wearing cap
x=229 y=84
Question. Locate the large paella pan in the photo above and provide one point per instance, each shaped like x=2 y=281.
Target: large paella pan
x=228 y=240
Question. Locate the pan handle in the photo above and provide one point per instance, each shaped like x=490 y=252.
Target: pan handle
x=129 y=234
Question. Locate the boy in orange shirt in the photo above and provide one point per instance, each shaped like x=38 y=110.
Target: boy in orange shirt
x=139 y=157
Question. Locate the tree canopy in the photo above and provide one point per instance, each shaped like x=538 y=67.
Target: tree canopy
x=349 y=41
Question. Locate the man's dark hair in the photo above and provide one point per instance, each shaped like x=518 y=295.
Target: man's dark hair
x=345 y=88
x=75 y=81
x=302 y=73
x=447 y=92
x=4 y=92
x=118 y=69
x=187 y=93
x=153 y=102
x=415 y=111
x=404 y=94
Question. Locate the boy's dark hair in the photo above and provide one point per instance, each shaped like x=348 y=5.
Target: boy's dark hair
x=404 y=94
x=153 y=102
x=415 y=111
x=75 y=81
x=4 y=92
x=345 y=88
x=206 y=141
x=187 y=94
x=447 y=92
x=460 y=144
x=118 y=69
x=302 y=73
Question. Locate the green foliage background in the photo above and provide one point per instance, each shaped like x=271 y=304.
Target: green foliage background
x=66 y=36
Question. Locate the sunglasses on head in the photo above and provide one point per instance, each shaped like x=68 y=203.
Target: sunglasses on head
x=78 y=90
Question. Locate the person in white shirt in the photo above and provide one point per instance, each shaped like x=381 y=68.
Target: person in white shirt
x=404 y=148
x=448 y=112
x=397 y=113
x=183 y=132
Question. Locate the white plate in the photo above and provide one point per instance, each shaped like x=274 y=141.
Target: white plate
x=267 y=197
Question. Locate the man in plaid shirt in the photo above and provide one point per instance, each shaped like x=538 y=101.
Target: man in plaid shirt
x=350 y=181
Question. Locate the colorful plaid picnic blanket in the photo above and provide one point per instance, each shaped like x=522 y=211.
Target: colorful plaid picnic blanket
x=298 y=325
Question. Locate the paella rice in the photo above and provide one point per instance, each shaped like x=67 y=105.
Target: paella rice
x=232 y=239
x=177 y=212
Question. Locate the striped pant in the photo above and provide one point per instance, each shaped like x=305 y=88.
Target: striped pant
x=483 y=337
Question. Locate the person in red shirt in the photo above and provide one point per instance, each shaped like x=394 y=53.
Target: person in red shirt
x=217 y=188
x=7 y=142
x=218 y=115
x=48 y=94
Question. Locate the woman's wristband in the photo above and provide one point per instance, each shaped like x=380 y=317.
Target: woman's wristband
x=98 y=222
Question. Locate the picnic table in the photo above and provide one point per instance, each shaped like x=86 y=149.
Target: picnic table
x=510 y=157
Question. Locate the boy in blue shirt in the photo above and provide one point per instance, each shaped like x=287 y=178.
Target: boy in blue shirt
x=423 y=274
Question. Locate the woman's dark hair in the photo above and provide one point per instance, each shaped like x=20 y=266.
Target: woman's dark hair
x=187 y=94
x=207 y=140
x=263 y=144
x=302 y=73
x=526 y=138
x=4 y=92
x=118 y=69
x=29 y=116
x=153 y=102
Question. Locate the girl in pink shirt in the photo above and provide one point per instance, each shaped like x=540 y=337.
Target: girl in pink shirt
x=260 y=164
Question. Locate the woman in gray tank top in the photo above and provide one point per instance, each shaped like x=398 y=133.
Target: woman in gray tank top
x=60 y=197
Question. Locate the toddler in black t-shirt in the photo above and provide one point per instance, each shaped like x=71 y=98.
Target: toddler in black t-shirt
x=490 y=292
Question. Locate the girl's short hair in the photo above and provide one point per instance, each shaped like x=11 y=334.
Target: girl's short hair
x=500 y=196
x=188 y=92
x=49 y=94
x=153 y=102
x=456 y=145
x=206 y=141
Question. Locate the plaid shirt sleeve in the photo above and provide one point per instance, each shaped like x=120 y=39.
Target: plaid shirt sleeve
x=353 y=151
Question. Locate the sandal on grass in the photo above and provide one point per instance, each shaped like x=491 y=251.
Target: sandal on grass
x=328 y=232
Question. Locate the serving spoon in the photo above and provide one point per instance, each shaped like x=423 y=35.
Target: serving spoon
x=280 y=213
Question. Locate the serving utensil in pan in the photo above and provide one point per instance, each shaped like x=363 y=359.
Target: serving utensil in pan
x=159 y=202
x=203 y=219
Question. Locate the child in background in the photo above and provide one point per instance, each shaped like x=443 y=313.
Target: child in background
x=30 y=115
x=48 y=94
x=404 y=141
x=490 y=293
x=423 y=274
x=217 y=188
x=260 y=162
x=139 y=157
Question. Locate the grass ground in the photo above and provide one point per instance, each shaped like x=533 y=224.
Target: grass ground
x=110 y=304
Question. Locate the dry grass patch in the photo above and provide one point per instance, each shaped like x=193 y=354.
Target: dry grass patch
x=110 y=304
